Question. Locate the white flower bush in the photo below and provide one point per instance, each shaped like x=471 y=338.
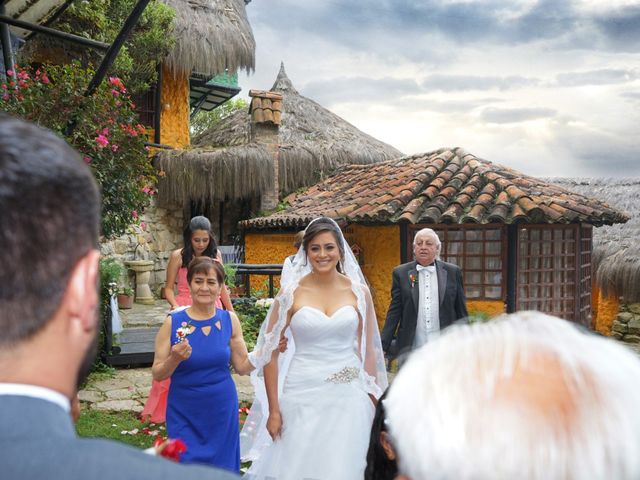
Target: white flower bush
x=264 y=302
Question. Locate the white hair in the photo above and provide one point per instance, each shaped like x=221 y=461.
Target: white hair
x=525 y=396
x=429 y=231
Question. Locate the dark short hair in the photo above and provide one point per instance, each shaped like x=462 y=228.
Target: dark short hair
x=320 y=225
x=205 y=265
x=197 y=223
x=379 y=467
x=49 y=219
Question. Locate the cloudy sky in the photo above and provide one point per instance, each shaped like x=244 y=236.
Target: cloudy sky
x=548 y=87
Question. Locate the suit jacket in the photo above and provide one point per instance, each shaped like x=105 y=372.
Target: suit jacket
x=403 y=310
x=38 y=441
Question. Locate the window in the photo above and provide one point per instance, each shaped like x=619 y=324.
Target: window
x=480 y=251
x=547 y=270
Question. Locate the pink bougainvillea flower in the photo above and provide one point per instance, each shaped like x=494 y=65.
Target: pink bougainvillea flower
x=102 y=141
x=115 y=92
x=22 y=75
x=143 y=225
x=10 y=73
x=86 y=159
x=104 y=131
x=114 y=148
x=141 y=128
x=134 y=213
x=45 y=79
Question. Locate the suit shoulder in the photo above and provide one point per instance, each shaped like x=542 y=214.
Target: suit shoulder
x=449 y=266
x=404 y=266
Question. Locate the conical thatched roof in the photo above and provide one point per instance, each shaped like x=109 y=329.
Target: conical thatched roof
x=446 y=186
x=313 y=142
x=616 y=248
x=211 y=36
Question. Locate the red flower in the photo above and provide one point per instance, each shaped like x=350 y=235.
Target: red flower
x=102 y=141
x=174 y=450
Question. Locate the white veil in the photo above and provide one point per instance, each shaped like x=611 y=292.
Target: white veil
x=254 y=436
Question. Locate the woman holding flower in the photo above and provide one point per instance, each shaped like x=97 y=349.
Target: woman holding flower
x=193 y=348
x=198 y=241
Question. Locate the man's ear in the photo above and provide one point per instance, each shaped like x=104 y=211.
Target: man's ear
x=385 y=442
x=81 y=296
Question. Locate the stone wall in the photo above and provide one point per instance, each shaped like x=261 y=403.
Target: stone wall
x=159 y=233
x=626 y=326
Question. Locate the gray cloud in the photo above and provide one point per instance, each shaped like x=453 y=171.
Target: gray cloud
x=603 y=76
x=342 y=89
x=515 y=115
x=452 y=83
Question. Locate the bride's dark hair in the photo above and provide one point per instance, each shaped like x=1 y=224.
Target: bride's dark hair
x=324 y=224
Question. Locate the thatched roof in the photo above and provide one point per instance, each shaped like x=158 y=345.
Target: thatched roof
x=446 y=186
x=213 y=174
x=211 y=36
x=616 y=248
x=313 y=140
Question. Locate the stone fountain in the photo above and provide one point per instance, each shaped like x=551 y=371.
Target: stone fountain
x=142 y=268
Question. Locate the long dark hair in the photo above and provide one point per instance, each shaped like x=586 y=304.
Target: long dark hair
x=379 y=467
x=319 y=225
x=198 y=223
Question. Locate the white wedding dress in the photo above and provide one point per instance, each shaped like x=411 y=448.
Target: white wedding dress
x=326 y=411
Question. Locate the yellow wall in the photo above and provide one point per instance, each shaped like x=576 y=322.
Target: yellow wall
x=489 y=307
x=605 y=310
x=174 y=117
x=381 y=253
x=266 y=248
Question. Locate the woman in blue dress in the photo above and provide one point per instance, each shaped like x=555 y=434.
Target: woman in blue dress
x=194 y=347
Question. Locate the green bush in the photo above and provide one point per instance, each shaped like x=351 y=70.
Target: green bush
x=251 y=318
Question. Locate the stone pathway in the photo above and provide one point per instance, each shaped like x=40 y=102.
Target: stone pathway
x=129 y=388
x=144 y=315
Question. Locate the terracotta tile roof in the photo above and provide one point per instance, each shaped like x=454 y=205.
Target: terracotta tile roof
x=444 y=186
x=266 y=106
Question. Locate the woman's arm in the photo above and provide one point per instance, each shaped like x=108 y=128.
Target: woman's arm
x=274 y=422
x=224 y=291
x=175 y=260
x=239 y=353
x=167 y=358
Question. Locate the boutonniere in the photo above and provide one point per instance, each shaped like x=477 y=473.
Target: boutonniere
x=412 y=279
x=183 y=330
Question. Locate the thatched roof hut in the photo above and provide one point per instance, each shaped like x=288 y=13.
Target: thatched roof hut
x=616 y=248
x=211 y=36
x=311 y=143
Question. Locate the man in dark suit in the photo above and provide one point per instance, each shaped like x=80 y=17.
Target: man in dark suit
x=426 y=296
x=49 y=218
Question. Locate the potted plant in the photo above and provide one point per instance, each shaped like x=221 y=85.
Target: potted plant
x=125 y=298
x=230 y=280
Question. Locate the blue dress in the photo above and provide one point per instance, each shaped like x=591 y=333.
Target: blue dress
x=202 y=407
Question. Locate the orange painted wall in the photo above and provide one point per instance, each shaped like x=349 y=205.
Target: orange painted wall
x=381 y=254
x=491 y=308
x=267 y=248
x=174 y=117
x=605 y=312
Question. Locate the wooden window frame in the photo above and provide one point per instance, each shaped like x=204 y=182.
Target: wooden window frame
x=444 y=233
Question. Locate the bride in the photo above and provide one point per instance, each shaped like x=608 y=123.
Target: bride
x=315 y=402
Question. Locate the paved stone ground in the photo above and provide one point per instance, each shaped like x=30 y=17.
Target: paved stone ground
x=144 y=315
x=129 y=388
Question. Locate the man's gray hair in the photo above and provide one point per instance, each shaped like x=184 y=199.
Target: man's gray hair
x=525 y=396
x=429 y=231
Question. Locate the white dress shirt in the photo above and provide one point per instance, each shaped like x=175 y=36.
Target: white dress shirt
x=24 y=390
x=428 y=321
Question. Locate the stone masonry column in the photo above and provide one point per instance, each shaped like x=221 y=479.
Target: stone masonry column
x=265 y=111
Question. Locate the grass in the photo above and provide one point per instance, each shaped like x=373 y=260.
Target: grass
x=95 y=423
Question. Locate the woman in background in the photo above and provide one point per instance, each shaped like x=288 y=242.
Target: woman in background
x=198 y=241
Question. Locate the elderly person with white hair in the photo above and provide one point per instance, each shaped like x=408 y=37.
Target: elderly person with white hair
x=427 y=295
x=525 y=396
